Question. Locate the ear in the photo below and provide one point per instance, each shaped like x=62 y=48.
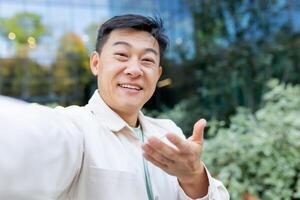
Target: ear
x=94 y=62
x=160 y=71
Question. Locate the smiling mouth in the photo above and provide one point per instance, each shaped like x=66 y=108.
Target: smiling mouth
x=132 y=87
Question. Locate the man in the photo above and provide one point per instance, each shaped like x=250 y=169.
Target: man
x=108 y=149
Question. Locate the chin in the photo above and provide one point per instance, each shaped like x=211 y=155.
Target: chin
x=132 y=107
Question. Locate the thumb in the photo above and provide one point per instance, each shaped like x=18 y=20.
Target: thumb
x=198 y=131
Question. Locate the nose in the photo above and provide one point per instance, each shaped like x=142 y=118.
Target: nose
x=133 y=69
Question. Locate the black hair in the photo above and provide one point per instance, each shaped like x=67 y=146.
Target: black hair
x=154 y=26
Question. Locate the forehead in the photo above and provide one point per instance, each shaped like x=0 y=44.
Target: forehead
x=137 y=39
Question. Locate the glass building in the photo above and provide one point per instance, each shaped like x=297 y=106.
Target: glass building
x=66 y=23
x=61 y=16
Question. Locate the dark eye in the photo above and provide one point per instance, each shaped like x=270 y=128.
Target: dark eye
x=121 y=56
x=148 y=60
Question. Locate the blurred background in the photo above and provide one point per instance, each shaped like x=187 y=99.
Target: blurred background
x=234 y=62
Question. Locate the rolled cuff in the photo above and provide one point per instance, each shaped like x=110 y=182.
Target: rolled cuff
x=216 y=190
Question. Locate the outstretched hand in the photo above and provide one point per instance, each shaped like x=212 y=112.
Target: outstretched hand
x=181 y=160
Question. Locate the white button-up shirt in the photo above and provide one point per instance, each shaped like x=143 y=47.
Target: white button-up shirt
x=87 y=153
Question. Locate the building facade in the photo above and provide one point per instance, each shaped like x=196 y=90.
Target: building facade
x=66 y=23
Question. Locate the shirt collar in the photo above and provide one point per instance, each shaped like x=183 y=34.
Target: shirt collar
x=148 y=127
x=104 y=113
x=113 y=121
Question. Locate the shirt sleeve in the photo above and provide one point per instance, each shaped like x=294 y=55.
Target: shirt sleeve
x=40 y=151
x=216 y=190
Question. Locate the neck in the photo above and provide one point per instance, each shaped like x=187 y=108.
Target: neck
x=131 y=119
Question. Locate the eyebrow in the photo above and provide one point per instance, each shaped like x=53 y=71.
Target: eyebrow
x=129 y=45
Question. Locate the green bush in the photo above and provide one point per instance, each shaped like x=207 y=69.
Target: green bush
x=259 y=154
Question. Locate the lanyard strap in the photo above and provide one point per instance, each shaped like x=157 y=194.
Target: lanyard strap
x=146 y=171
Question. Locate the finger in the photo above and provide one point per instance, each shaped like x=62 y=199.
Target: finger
x=179 y=142
x=163 y=148
x=155 y=162
x=198 y=131
x=156 y=155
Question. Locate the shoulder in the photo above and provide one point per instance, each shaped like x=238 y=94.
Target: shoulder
x=78 y=115
x=74 y=109
x=74 y=112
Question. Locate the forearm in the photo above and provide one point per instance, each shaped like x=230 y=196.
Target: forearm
x=196 y=187
x=36 y=145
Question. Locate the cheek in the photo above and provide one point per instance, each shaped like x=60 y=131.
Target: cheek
x=155 y=76
x=109 y=73
x=152 y=79
x=104 y=81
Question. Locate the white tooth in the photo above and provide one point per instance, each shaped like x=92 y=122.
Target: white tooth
x=130 y=86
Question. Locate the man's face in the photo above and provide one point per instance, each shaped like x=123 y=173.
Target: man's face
x=128 y=69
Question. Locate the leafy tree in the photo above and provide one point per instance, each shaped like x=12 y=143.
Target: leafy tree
x=258 y=155
x=24 y=25
x=23 y=78
x=20 y=76
x=239 y=46
x=71 y=70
